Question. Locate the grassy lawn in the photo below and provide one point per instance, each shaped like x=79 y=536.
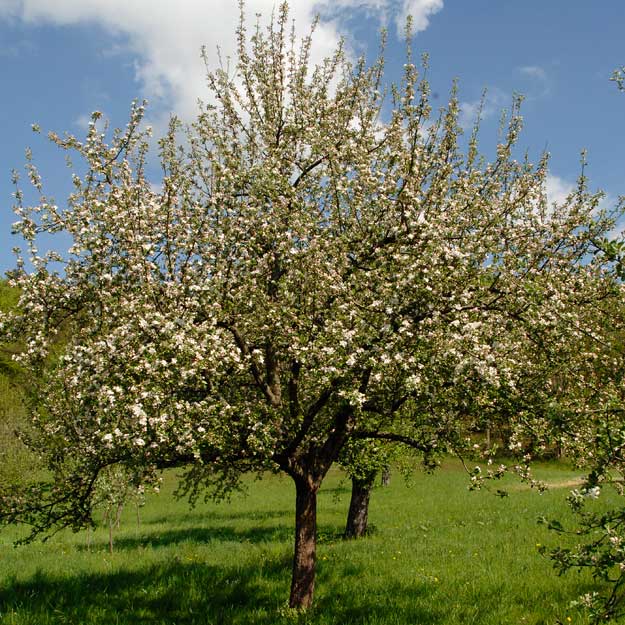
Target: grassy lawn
x=438 y=554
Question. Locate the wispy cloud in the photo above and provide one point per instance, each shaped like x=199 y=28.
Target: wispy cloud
x=420 y=11
x=534 y=71
x=540 y=80
x=82 y=122
x=492 y=103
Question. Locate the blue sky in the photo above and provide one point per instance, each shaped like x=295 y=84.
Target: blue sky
x=62 y=59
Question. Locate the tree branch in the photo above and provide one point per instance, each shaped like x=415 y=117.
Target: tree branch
x=397 y=438
x=268 y=392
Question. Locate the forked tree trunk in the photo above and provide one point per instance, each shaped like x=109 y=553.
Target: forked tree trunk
x=304 y=559
x=358 y=515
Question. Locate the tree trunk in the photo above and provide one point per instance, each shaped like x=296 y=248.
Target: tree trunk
x=118 y=515
x=304 y=559
x=358 y=514
x=386 y=476
x=110 y=533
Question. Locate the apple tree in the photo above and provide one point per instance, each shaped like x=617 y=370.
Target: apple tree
x=323 y=261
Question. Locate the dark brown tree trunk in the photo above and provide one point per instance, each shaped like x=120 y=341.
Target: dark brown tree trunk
x=304 y=559
x=358 y=514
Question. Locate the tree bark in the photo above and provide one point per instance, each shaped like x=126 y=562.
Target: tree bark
x=358 y=515
x=304 y=559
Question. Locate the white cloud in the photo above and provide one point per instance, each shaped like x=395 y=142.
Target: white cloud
x=420 y=10
x=557 y=189
x=166 y=37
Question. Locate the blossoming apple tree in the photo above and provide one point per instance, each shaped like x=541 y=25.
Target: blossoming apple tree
x=592 y=431
x=322 y=262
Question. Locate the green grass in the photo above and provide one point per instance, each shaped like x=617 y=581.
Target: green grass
x=438 y=554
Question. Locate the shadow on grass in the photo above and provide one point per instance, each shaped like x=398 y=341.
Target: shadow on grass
x=202 y=516
x=157 y=538
x=204 y=535
x=176 y=592
x=184 y=593
x=335 y=490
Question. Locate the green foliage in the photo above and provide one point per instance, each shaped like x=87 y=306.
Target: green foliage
x=363 y=459
x=614 y=252
x=9 y=296
x=598 y=547
x=15 y=461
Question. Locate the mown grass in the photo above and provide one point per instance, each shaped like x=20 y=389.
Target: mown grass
x=438 y=554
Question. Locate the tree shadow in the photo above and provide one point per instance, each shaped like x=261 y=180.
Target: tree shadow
x=248 y=591
x=204 y=516
x=335 y=490
x=202 y=535
x=191 y=593
x=177 y=592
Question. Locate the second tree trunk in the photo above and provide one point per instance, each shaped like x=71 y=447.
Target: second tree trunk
x=358 y=515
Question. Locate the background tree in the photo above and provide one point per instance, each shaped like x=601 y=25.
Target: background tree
x=309 y=272
x=113 y=490
x=591 y=432
x=363 y=461
x=589 y=429
x=14 y=457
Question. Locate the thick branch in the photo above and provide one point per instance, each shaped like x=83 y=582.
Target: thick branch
x=309 y=418
x=322 y=458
